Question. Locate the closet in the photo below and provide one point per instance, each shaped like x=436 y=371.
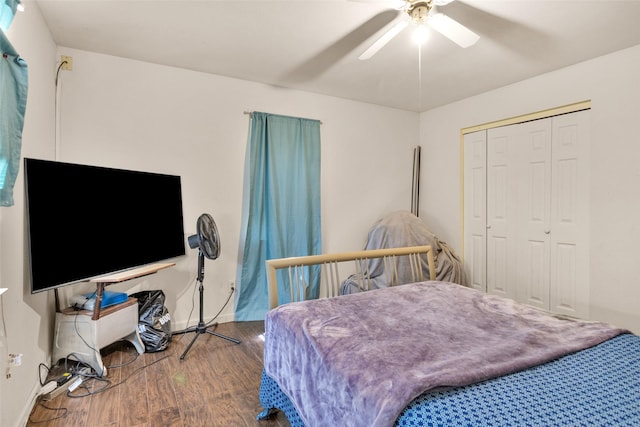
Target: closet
x=526 y=212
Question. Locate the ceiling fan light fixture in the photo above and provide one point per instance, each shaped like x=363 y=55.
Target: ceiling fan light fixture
x=419 y=11
x=420 y=34
x=424 y=13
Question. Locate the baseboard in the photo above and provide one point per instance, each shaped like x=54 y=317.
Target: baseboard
x=26 y=411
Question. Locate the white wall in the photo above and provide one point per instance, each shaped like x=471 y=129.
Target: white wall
x=28 y=318
x=121 y=113
x=611 y=83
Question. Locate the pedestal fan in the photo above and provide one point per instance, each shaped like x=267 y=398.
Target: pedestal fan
x=207 y=241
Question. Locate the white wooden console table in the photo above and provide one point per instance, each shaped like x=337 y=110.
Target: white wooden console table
x=80 y=334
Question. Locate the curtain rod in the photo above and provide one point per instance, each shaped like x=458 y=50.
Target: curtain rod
x=251 y=112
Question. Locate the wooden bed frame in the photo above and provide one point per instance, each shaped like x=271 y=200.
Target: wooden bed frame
x=331 y=279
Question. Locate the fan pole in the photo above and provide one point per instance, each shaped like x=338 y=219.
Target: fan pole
x=201 y=328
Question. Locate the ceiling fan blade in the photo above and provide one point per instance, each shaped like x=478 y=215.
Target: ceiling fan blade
x=392 y=4
x=441 y=2
x=384 y=39
x=452 y=29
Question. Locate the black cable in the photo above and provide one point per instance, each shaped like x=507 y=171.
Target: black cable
x=223 y=307
x=55 y=130
x=193 y=304
x=109 y=385
x=85 y=385
x=64 y=414
x=40 y=366
x=75 y=326
x=77 y=367
x=120 y=365
x=58 y=71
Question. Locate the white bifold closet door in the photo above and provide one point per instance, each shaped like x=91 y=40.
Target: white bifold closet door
x=518 y=211
x=570 y=221
x=536 y=223
x=475 y=209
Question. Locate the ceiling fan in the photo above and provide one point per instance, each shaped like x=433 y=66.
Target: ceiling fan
x=422 y=14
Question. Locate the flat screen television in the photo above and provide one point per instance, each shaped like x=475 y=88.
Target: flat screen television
x=88 y=221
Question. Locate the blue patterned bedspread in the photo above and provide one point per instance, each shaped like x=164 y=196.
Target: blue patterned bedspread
x=599 y=386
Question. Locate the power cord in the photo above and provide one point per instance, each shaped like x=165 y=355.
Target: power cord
x=193 y=304
x=48 y=371
x=75 y=326
x=46 y=420
x=210 y=322
x=77 y=306
x=86 y=385
x=231 y=291
x=91 y=383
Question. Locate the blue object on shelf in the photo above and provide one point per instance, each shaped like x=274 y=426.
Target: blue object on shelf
x=109 y=298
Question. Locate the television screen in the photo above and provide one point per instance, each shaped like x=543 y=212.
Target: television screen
x=87 y=221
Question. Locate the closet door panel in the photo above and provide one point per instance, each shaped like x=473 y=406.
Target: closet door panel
x=566 y=293
x=475 y=209
x=534 y=205
x=570 y=215
x=534 y=289
x=502 y=224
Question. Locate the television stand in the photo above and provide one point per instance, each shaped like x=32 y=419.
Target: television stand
x=78 y=337
x=135 y=273
x=80 y=334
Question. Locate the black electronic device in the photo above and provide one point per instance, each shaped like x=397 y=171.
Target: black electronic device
x=88 y=221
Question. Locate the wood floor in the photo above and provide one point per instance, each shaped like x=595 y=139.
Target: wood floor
x=215 y=385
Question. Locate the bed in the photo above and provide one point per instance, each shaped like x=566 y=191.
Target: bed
x=438 y=353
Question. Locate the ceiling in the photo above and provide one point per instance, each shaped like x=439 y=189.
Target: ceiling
x=313 y=45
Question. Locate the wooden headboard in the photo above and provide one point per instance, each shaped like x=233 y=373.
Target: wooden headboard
x=330 y=275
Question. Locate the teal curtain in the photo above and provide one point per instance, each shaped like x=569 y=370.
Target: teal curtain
x=281 y=212
x=7 y=12
x=13 y=103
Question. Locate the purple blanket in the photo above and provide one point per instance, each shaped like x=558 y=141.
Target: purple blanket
x=358 y=360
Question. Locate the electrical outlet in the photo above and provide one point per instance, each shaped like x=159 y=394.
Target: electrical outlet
x=15 y=359
x=67 y=62
x=232 y=286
